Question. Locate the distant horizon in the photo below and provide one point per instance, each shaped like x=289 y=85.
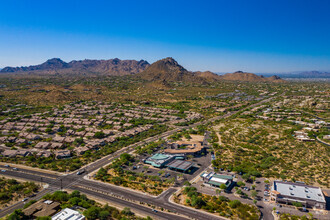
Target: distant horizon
x=220 y=36
x=217 y=72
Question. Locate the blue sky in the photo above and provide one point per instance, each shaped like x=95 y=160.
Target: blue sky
x=222 y=36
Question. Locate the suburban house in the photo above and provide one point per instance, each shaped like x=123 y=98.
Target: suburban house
x=62 y=154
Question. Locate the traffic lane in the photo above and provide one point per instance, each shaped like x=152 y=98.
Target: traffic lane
x=54 y=184
x=23 y=170
x=117 y=191
x=166 y=195
x=148 y=211
x=27 y=176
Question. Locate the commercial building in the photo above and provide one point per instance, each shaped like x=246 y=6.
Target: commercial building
x=161 y=160
x=289 y=193
x=42 y=208
x=174 y=162
x=217 y=180
x=68 y=214
x=180 y=165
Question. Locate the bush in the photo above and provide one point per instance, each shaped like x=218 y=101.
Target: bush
x=234 y=204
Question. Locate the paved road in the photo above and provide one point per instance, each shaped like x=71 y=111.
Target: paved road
x=112 y=193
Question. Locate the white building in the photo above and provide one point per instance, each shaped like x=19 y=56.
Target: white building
x=68 y=214
x=288 y=192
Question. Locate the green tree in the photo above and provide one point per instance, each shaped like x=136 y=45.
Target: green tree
x=103 y=215
x=197 y=202
x=92 y=212
x=99 y=134
x=127 y=211
x=240 y=183
x=17 y=215
x=187 y=183
x=223 y=186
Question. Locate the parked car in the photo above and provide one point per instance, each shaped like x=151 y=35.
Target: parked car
x=7 y=165
x=23 y=200
x=3 y=170
x=154 y=210
x=15 y=168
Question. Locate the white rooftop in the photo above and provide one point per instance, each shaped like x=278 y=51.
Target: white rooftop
x=215 y=179
x=299 y=190
x=68 y=214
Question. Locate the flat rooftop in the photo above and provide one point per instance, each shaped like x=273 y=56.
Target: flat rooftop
x=180 y=165
x=159 y=159
x=299 y=190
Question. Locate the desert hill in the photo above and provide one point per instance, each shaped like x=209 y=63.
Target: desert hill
x=249 y=77
x=169 y=70
x=115 y=67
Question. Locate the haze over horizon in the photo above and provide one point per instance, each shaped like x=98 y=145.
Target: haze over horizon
x=220 y=36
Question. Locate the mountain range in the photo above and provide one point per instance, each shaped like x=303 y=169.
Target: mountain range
x=306 y=74
x=115 y=67
x=164 y=70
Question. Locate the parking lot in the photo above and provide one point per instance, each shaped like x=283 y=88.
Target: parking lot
x=201 y=162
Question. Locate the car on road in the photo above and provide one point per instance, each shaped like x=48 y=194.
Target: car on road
x=15 y=168
x=81 y=172
x=23 y=200
x=303 y=209
x=154 y=210
x=7 y=165
x=3 y=170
